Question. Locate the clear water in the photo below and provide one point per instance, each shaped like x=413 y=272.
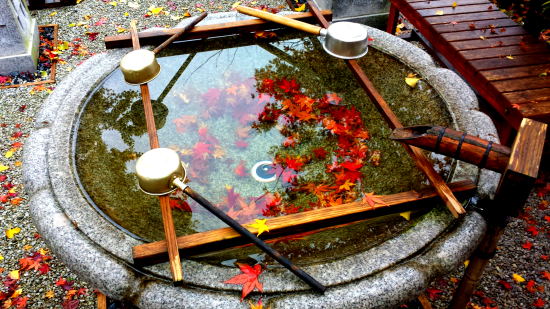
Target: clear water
x=225 y=104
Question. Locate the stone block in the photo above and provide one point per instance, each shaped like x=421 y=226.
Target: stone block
x=19 y=38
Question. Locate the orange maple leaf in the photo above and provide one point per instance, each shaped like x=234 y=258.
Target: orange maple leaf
x=371 y=200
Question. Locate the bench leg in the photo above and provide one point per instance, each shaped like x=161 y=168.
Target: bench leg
x=392 y=20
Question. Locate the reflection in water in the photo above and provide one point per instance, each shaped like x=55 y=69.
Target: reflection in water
x=226 y=104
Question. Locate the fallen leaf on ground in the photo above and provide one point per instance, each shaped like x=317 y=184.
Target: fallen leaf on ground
x=509 y=57
x=249 y=279
x=527 y=245
x=454 y=4
x=11 y=232
x=434 y=293
x=505 y=284
x=539 y=303
x=517 y=278
x=14 y=274
x=49 y=294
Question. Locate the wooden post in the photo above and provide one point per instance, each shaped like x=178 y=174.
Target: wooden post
x=392 y=20
x=101 y=301
x=419 y=158
x=515 y=185
x=168 y=222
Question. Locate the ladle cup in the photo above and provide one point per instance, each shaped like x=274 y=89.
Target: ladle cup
x=344 y=40
x=141 y=66
x=160 y=171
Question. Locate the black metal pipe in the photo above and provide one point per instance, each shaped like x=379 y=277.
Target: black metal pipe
x=255 y=240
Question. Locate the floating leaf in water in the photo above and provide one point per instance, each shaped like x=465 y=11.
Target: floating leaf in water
x=260 y=225
x=406 y=215
x=412 y=81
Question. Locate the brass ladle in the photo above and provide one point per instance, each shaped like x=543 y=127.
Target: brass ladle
x=160 y=171
x=141 y=66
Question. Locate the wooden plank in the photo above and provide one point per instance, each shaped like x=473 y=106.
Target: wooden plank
x=467 y=55
x=424 y=302
x=453 y=47
x=495 y=14
x=486 y=33
x=464 y=26
x=527 y=96
x=393 y=17
x=511 y=85
x=224 y=238
x=101 y=301
x=166 y=210
x=498 y=63
x=458 y=10
x=539 y=111
x=512 y=73
x=158 y=36
x=445 y=3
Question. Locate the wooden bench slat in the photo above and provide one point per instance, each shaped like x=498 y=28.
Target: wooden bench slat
x=539 y=111
x=512 y=73
x=498 y=63
x=511 y=85
x=446 y=3
x=477 y=34
x=465 y=17
x=468 y=55
x=527 y=96
x=457 y=46
x=464 y=26
x=458 y=10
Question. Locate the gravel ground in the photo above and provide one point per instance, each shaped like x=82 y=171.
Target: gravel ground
x=18 y=107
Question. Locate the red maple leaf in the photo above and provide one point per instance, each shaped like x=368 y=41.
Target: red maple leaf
x=70 y=303
x=44 y=269
x=21 y=109
x=293 y=163
x=544 y=190
x=17 y=134
x=212 y=96
x=539 y=303
x=268 y=83
x=20 y=302
x=320 y=153
x=352 y=166
x=532 y=230
x=292 y=209
x=288 y=175
x=241 y=143
x=3 y=198
x=289 y=141
x=263 y=97
x=434 y=293
x=64 y=284
x=487 y=301
x=505 y=284
x=531 y=286
x=200 y=149
x=333 y=97
x=287 y=86
x=101 y=21
x=545 y=275
x=241 y=169
x=249 y=279
x=81 y=291
x=202 y=132
x=371 y=199
x=3 y=178
x=527 y=245
x=92 y=35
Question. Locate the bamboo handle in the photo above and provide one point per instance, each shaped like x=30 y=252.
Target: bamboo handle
x=280 y=20
x=179 y=33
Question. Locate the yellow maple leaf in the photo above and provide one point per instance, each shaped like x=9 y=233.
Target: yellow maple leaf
x=347 y=185
x=17 y=293
x=406 y=215
x=9 y=154
x=113 y=3
x=11 y=232
x=49 y=294
x=14 y=274
x=71 y=25
x=517 y=278
x=260 y=225
x=510 y=57
x=466 y=263
x=301 y=8
x=454 y=4
x=482 y=37
x=412 y=81
x=27 y=247
x=439 y=13
x=3 y=168
x=52 y=14
x=156 y=10
x=236 y=4
x=126 y=14
x=18 y=164
x=258 y=306
x=1 y=257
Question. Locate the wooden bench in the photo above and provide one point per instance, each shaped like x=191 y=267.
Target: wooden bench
x=493 y=53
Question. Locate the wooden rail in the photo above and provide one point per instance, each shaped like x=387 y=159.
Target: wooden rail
x=158 y=36
x=224 y=238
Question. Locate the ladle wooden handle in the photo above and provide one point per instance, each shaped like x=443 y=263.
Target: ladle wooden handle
x=280 y=20
x=179 y=33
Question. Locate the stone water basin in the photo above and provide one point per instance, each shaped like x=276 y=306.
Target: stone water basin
x=223 y=104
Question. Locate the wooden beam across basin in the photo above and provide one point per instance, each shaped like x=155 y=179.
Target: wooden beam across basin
x=224 y=238
x=238 y=27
